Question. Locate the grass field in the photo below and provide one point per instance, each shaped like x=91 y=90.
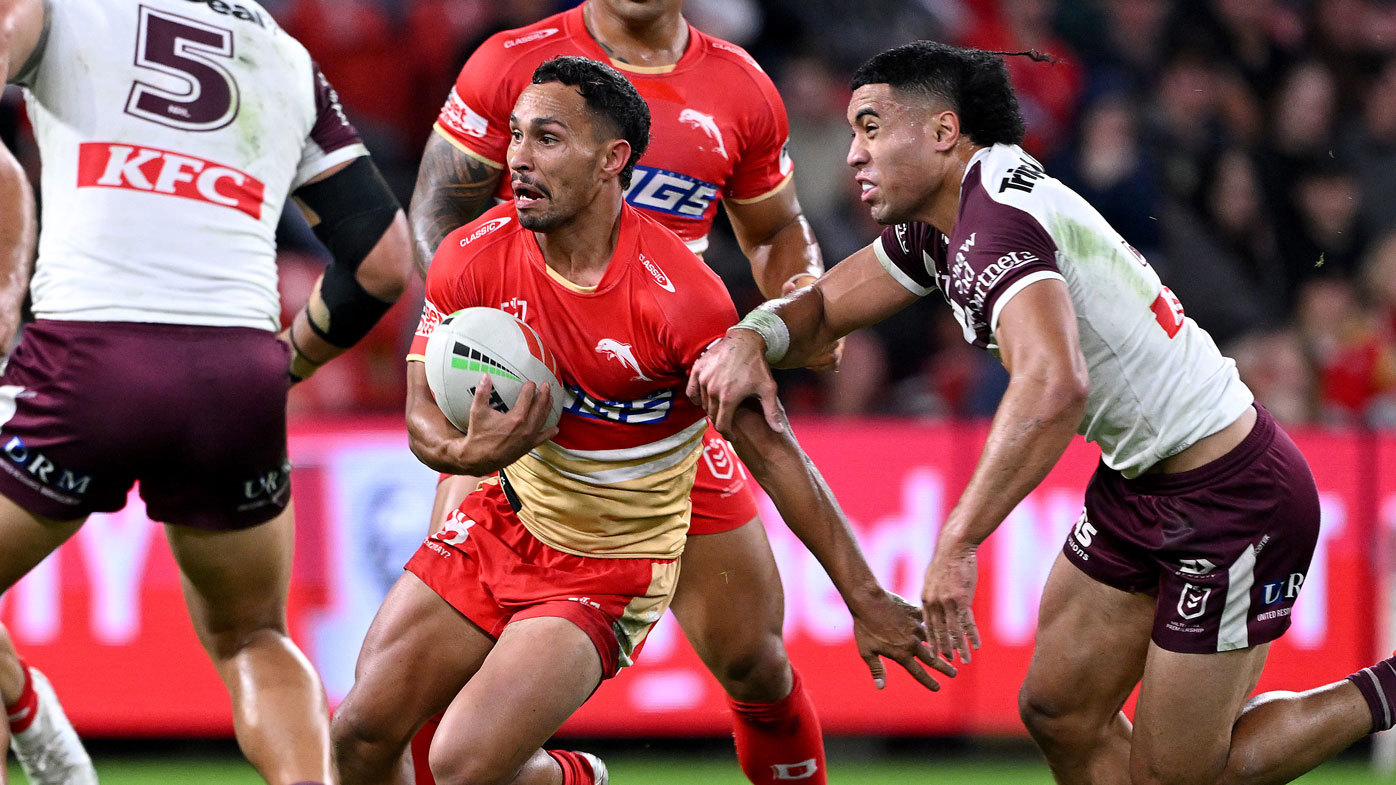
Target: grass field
x=651 y=768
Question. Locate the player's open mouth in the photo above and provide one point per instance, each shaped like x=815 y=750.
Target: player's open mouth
x=869 y=190
x=526 y=194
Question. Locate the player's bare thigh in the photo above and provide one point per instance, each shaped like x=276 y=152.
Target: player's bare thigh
x=416 y=655
x=540 y=671
x=1089 y=653
x=28 y=538
x=731 y=606
x=1188 y=704
x=235 y=581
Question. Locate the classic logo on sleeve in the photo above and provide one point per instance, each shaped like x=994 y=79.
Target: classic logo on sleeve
x=659 y=276
x=457 y=116
x=148 y=169
x=484 y=229
x=536 y=35
x=431 y=317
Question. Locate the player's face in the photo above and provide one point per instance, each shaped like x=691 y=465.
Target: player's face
x=893 y=153
x=638 y=12
x=555 y=156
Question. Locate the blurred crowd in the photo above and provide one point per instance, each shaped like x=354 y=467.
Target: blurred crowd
x=1246 y=147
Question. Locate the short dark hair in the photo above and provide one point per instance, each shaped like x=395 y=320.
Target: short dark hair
x=973 y=83
x=608 y=94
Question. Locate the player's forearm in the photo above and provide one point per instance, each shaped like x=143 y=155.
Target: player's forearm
x=806 y=330
x=452 y=190
x=806 y=504
x=1035 y=422
x=17 y=234
x=789 y=254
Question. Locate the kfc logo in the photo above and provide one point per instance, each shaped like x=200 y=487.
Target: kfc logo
x=109 y=165
x=431 y=317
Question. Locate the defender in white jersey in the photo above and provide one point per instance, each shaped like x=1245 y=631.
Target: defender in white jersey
x=1203 y=516
x=171 y=133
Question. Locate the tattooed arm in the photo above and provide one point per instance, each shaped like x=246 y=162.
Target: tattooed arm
x=453 y=189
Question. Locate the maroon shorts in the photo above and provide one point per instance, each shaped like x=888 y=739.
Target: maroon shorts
x=197 y=415
x=1224 y=547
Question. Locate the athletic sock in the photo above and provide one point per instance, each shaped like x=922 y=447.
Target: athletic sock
x=780 y=742
x=421 y=750
x=24 y=710
x=576 y=770
x=1378 y=686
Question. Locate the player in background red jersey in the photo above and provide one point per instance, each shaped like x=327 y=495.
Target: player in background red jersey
x=719 y=134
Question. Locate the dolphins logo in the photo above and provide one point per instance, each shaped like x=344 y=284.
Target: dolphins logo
x=622 y=352
x=706 y=124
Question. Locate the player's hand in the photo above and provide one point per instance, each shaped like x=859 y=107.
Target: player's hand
x=891 y=627
x=496 y=439
x=731 y=371
x=947 y=597
x=827 y=360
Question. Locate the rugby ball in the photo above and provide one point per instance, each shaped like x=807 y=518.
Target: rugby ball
x=476 y=342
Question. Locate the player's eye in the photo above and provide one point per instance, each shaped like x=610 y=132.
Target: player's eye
x=549 y=139
x=515 y=134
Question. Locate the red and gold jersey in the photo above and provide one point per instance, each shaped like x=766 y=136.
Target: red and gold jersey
x=718 y=126
x=615 y=480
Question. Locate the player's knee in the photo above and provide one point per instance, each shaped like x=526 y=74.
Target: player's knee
x=356 y=734
x=1051 y=721
x=453 y=765
x=227 y=641
x=757 y=672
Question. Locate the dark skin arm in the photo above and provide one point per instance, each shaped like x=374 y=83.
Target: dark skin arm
x=493 y=439
x=453 y=189
x=779 y=243
x=884 y=625
x=1036 y=420
x=857 y=292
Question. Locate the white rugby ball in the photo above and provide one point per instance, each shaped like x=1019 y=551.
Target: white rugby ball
x=476 y=342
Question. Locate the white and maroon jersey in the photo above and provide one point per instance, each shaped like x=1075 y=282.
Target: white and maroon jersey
x=171 y=133
x=718 y=126
x=1158 y=382
x=615 y=480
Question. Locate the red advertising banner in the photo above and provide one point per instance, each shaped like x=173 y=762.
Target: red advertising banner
x=104 y=617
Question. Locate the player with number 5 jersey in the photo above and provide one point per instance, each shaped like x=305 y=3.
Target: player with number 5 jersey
x=171 y=134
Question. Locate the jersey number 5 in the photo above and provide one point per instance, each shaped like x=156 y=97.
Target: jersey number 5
x=204 y=95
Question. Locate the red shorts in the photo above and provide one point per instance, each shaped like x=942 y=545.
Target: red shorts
x=488 y=566
x=722 y=499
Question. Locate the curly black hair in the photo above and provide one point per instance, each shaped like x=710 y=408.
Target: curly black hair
x=608 y=94
x=973 y=84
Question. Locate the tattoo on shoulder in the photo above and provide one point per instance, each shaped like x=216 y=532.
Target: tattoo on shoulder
x=452 y=190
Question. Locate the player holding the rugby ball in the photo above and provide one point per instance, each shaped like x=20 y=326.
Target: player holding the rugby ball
x=718 y=135
x=547 y=578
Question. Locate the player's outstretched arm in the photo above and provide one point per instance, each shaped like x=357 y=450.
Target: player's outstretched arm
x=789 y=332
x=359 y=221
x=492 y=441
x=884 y=625
x=1035 y=421
x=784 y=255
x=452 y=190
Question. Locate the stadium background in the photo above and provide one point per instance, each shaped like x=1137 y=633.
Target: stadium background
x=1247 y=147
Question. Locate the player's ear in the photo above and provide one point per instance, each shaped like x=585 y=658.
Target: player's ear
x=617 y=155
x=945 y=126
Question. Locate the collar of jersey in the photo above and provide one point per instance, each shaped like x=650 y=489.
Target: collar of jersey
x=577 y=29
x=627 y=248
